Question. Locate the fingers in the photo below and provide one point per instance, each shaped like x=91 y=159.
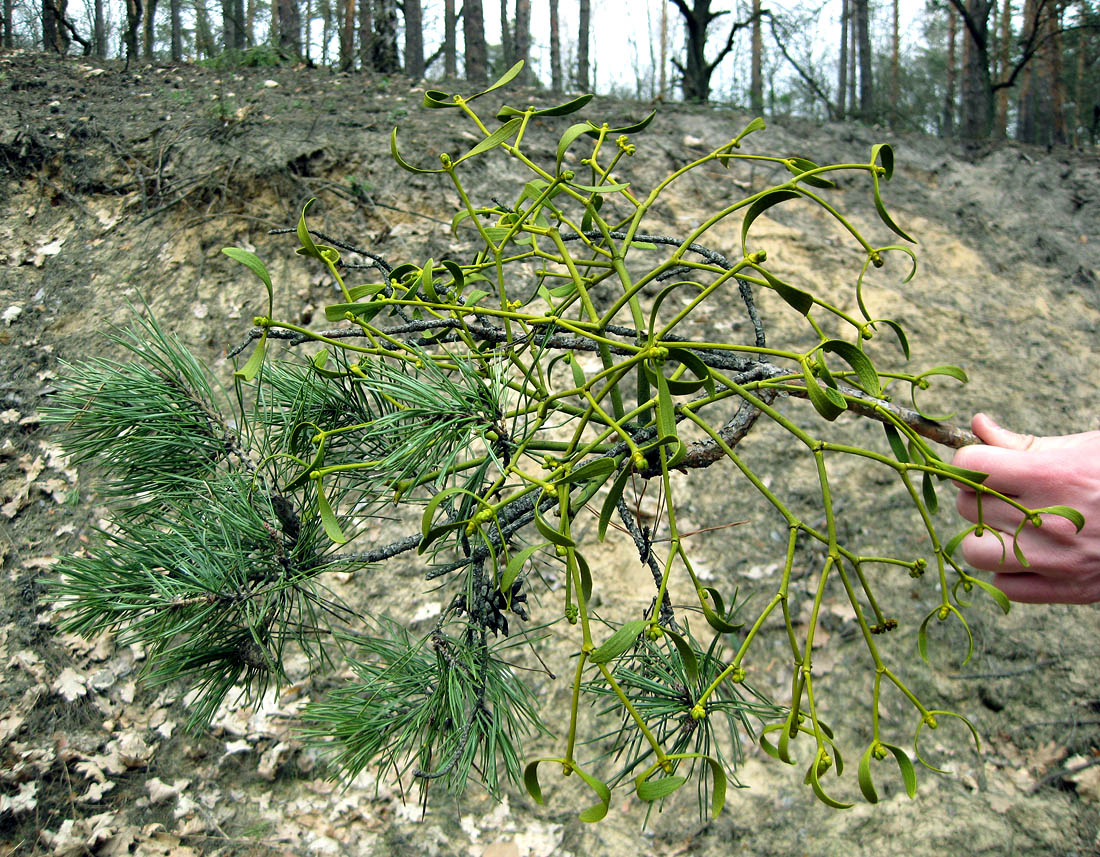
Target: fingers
x=1036 y=589
x=993 y=435
x=995 y=513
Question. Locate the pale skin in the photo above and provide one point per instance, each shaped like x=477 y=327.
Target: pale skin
x=1063 y=565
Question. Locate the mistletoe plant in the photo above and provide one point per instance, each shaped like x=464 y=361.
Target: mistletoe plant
x=539 y=379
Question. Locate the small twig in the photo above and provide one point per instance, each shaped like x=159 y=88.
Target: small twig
x=1063 y=773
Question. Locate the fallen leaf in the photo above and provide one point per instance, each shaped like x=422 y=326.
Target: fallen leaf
x=161 y=792
x=133 y=752
x=70 y=684
x=95 y=792
x=24 y=801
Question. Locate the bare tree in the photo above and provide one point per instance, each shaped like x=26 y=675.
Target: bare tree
x=696 y=71
x=414 y=39
x=347 y=34
x=473 y=32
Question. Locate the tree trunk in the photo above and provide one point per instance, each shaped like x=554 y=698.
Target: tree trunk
x=385 y=55
x=133 y=24
x=756 y=89
x=853 y=50
x=148 y=35
x=947 y=127
x=663 y=80
x=366 y=34
x=450 y=54
x=507 y=51
x=555 y=48
x=49 y=27
x=55 y=35
x=1079 y=93
x=176 y=26
x=414 y=40
x=1053 y=69
x=473 y=32
x=585 y=25
x=231 y=24
x=977 y=87
x=290 y=27
x=521 y=44
x=1004 y=51
x=347 y=35
x=863 y=37
x=204 y=40
x=842 y=67
x=895 y=62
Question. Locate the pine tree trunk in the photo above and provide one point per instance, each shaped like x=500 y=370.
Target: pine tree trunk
x=177 y=30
x=977 y=87
x=366 y=35
x=385 y=37
x=290 y=27
x=664 y=53
x=507 y=49
x=1004 y=51
x=555 y=48
x=229 y=24
x=853 y=50
x=582 y=44
x=895 y=63
x=756 y=90
x=842 y=66
x=863 y=37
x=521 y=44
x=49 y=27
x=347 y=35
x=450 y=25
x=473 y=31
x=947 y=128
x=133 y=22
x=414 y=40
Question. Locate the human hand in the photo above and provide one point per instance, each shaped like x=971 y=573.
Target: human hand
x=1063 y=565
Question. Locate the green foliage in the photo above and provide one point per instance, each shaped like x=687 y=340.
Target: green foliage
x=504 y=396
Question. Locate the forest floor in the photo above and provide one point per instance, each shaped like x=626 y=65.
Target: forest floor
x=117 y=188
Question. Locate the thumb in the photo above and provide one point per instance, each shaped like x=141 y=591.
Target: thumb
x=993 y=435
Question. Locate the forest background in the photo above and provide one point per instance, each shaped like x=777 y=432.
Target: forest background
x=976 y=69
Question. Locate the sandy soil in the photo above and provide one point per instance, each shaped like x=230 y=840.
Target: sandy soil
x=115 y=187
